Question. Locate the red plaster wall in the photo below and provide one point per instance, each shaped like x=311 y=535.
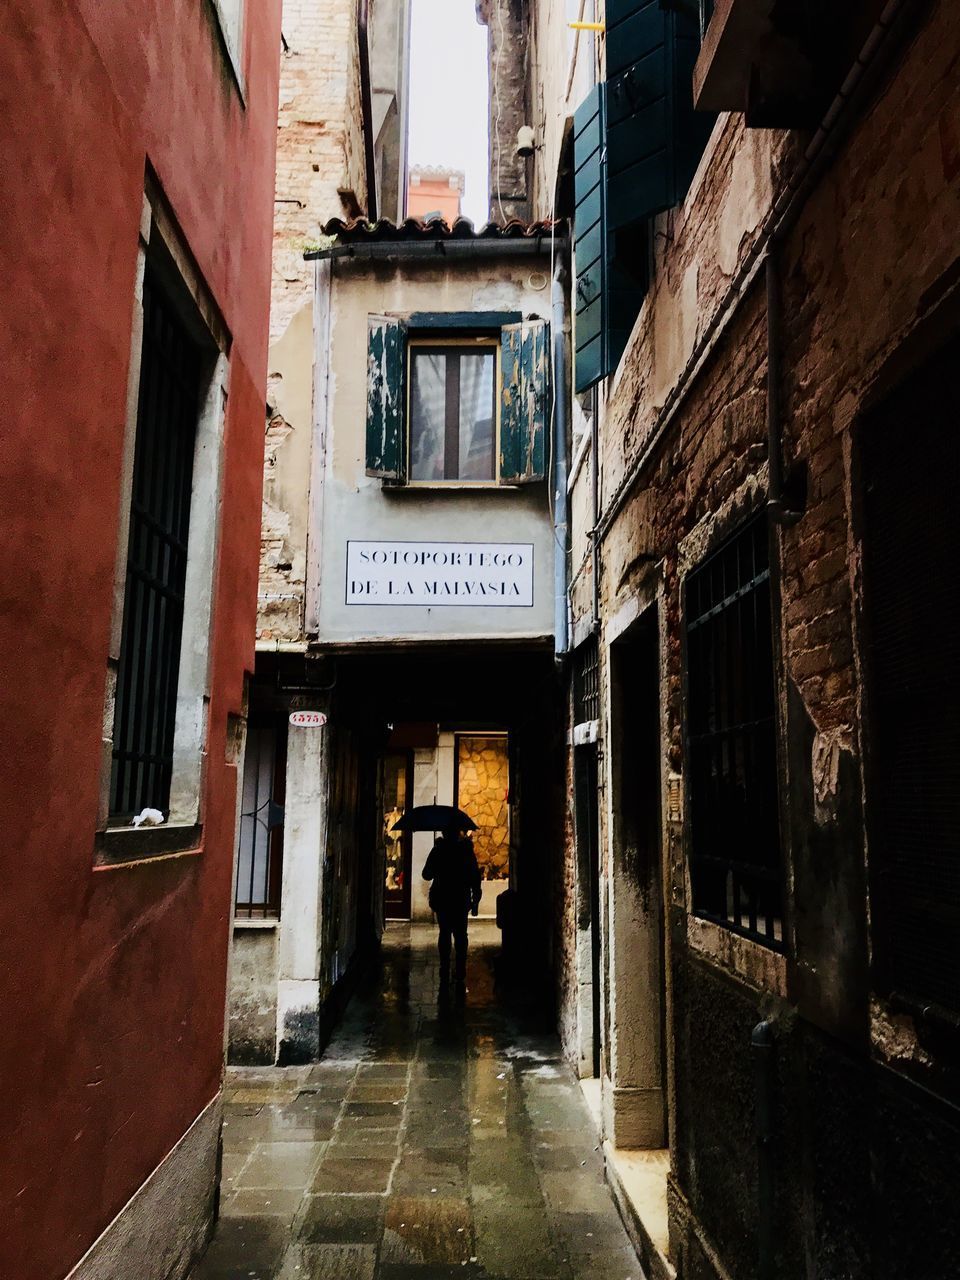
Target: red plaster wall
x=112 y=981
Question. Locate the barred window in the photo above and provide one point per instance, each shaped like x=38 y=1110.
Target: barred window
x=586 y=681
x=260 y=835
x=910 y=451
x=171 y=372
x=735 y=859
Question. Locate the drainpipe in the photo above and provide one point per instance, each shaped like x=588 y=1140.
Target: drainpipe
x=366 y=102
x=780 y=508
x=560 y=463
x=595 y=500
x=774 y=438
x=762 y=1045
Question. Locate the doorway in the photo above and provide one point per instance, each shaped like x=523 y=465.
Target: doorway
x=482 y=790
x=587 y=808
x=395 y=796
x=636 y=1069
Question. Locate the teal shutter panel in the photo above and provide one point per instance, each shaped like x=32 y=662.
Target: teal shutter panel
x=608 y=295
x=525 y=401
x=386 y=435
x=654 y=136
x=692 y=128
x=590 y=241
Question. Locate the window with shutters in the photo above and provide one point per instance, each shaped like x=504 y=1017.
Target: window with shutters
x=910 y=455
x=457 y=399
x=637 y=144
x=453 y=410
x=736 y=866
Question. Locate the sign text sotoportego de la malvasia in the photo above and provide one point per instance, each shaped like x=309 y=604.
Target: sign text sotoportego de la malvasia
x=471 y=574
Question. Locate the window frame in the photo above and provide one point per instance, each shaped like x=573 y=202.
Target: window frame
x=894 y=894
x=154 y=621
x=778 y=945
x=268 y=911
x=117 y=841
x=232 y=34
x=415 y=340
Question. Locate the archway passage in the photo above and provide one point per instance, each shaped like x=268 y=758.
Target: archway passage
x=478 y=726
x=435 y=1139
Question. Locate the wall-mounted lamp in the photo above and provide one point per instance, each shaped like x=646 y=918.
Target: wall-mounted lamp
x=526 y=143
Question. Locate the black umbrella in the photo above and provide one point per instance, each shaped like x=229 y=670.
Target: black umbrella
x=434 y=817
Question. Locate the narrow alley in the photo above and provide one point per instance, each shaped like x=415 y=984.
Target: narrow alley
x=480 y=465
x=435 y=1138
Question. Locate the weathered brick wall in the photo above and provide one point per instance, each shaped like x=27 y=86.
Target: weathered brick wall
x=874 y=250
x=319 y=142
x=507 y=23
x=560 y=60
x=320 y=175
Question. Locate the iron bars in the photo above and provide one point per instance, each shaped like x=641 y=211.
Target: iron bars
x=735 y=859
x=149 y=665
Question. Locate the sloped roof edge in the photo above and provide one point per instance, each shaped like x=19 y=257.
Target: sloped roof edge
x=360 y=231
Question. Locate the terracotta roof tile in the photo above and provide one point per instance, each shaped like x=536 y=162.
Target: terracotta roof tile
x=360 y=231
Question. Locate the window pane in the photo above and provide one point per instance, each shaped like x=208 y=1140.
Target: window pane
x=477 y=429
x=736 y=859
x=148 y=669
x=427 y=414
x=453 y=415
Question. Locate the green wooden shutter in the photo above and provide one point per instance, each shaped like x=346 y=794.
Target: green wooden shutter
x=386 y=434
x=590 y=241
x=692 y=128
x=608 y=293
x=525 y=401
x=654 y=136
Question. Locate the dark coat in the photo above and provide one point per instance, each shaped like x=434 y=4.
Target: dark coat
x=452 y=866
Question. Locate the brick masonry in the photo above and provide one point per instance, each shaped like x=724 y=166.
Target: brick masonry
x=868 y=274
x=507 y=23
x=320 y=175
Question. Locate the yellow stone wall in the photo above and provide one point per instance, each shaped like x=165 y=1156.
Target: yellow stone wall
x=483 y=767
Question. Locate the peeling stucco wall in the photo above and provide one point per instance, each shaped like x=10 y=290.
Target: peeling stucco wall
x=253 y=996
x=319 y=142
x=355 y=505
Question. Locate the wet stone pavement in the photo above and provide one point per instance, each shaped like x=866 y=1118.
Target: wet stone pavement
x=435 y=1139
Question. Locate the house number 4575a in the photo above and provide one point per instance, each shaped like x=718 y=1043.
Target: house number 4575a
x=308 y=719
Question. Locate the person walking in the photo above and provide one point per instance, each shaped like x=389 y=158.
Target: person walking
x=455 y=889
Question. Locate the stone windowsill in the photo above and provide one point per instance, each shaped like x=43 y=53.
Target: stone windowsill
x=272 y=923
x=122 y=846
x=453 y=486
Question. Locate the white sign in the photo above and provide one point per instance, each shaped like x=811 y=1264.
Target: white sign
x=491 y=575
x=308 y=719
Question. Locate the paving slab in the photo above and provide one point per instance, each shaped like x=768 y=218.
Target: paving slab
x=437 y=1140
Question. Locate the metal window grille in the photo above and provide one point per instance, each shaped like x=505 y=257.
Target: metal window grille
x=910 y=450
x=260 y=837
x=149 y=663
x=586 y=682
x=735 y=860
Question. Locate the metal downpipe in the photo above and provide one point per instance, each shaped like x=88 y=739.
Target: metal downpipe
x=366 y=106
x=763 y=1046
x=560 y=463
